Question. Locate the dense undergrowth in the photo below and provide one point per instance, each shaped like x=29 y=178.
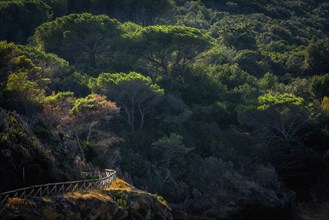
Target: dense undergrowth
x=221 y=107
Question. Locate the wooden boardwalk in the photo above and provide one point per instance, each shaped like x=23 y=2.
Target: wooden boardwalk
x=104 y=179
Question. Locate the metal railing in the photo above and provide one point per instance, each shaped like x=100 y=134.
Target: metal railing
x=104 y=179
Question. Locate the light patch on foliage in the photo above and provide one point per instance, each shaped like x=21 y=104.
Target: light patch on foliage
x=268 y=100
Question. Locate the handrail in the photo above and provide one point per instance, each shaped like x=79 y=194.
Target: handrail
x=105 y=179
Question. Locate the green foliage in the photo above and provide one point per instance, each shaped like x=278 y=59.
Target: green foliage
x=299 y=87
x=253 y=62
x=107 y=80
x=325 y=106
x=143 y=12
x=295 y=61
x=136 y=94
x=317 y=58
x=121 y=198
x=19 y=82
x=21 y=149
x=235 y=81
x=7 y=52
x=22 y=85
x=91 y=102
x=87 y=41
x=130 y=27
x=269 y=82
x=320 y=86
x=279 y=46
x=61 y=101
x=59 y=98
x=168 y=49
x=268 y=100
x=276 y=117
x=43 y=66
x=53 y=67
x=174 y=140
x=19 y=18
x=195 y=14
x=235 y=31
x=58 y=7
x=215 y=55
x=235 y=91
x=89 y=151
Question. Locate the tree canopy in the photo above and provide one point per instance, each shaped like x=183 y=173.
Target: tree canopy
x=135 y=93
x=88 y=42
x=168 y=49
x=201 y=101
x=19 y=18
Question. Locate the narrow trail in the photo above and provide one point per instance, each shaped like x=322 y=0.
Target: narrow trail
x=104 y=180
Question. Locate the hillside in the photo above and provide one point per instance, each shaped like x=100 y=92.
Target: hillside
x=221 y=107
x=119 y=201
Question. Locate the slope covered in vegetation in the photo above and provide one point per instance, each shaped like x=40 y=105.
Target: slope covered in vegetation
x=221 y=107
x=119 y=201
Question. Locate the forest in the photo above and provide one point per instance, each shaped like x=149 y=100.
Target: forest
x=221 y=107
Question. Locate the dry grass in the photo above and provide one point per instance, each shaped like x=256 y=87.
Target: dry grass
x=92 y=194
x=17 y=202
x=46 y=199
x=119 y=184
x=162 y=201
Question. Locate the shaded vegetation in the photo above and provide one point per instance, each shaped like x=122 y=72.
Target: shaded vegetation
x=221 y=107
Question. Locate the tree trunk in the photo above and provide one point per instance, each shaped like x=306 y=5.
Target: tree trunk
x=142 y=116
x=80 y=148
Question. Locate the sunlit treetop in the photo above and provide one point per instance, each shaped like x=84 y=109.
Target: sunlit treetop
x=268 y=100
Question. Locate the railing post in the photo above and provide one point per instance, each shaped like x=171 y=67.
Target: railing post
x=105 y=179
